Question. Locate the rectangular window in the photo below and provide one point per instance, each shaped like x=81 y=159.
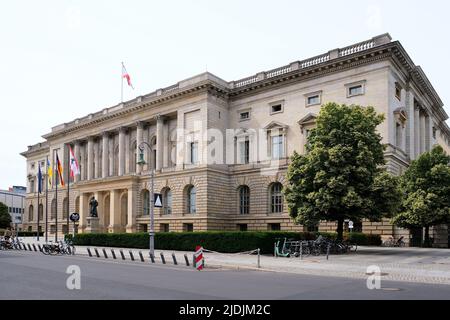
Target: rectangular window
x=244 y=147
x=164 y=227
x=194 y=152
x=398 y=91
x=274 y=227
x=188 y=227
x=244 y=115
x=313 y=100
x=355 y=90
x=277 y=147
x=277 y=108
x=242 y=227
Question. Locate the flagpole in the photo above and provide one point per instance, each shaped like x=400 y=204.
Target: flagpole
x=46 y=204
x=68 y=186
x=121 y=88
x=39 y=192
x=56 y=197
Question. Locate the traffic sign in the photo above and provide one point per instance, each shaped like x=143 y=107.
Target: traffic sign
x=74 y=217
x=158 y=200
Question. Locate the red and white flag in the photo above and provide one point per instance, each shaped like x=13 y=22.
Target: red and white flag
x=126 y=76
x=74 y=167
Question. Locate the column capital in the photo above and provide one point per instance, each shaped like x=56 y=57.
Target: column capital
x=159 y=117
x=140 y=124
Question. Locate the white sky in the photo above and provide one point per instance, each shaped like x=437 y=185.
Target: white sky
x=61 y=59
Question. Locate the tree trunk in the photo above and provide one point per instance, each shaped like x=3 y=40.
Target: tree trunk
x=426 y=242
x=340 y=229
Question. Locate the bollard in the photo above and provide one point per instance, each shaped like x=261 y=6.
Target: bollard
x=328 y=250
x=89 y=252
x=152 y=257
x=34 y=248
x=104 y=253
x=141 y=256
x=162 y=258
x=113 y=254
x=186 y=259
x=131 y=255
x=259 y=258
x=121 y=253
x=96 y=253
x=174 y=259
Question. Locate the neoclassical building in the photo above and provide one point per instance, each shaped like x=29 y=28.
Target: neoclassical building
x=220 y=149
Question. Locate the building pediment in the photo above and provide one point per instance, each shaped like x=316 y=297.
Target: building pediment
x=310 y=118
x=275 y=125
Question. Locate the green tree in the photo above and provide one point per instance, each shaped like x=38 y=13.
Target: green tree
x=340 y=176
x=426 y=193
x=5 y=217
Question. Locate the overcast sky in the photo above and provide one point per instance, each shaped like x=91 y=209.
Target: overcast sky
x=62 y=59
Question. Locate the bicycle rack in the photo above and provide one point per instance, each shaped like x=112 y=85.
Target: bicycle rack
x=131 y=255
x=152 y=257
x=162 y=258
x=113 y=254
x=186 y=259
x=141 y=256
x=174 y=259
x=104 y=253
x=123 y=256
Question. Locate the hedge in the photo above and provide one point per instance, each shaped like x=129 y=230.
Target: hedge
x=226 y=242
x=29 y=234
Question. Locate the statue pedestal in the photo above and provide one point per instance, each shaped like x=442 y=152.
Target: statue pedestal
x=93 y=225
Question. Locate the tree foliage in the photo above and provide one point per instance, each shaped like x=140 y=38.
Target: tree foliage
x=341 y=176
x=426 y=192
x=5 y=217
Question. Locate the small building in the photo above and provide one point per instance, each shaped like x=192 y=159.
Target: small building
x=14 y=199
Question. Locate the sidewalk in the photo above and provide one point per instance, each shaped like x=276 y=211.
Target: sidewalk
x=396 y=264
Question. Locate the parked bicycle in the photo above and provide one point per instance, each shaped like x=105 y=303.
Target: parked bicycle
x=59 y=248
x=391 y=242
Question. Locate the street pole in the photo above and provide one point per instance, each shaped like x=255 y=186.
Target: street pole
x=46 y=202
x=152 y=216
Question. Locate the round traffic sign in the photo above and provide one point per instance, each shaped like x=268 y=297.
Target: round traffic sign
x=74 y=217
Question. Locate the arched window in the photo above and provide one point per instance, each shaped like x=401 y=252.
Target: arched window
x=167 y=201
x=244 y=200
x=191 y=199
x=64 y=209
x=41 y=212
x=145 y=202
x=53 y=209
x=276 y=198
x=30 y=213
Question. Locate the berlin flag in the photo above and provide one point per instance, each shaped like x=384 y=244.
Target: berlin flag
x=74 y=167
x=126 y=76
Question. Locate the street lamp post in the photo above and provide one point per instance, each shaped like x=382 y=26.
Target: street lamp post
x=141 y=162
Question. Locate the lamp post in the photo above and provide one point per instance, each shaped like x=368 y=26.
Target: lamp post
x=141 y=162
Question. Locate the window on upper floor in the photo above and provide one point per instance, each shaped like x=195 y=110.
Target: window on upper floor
x=278 y=147
x=276 y=107
x=243 y=116
x=244 y=151
x=398 y=91
x=355 y=89
x=194 y=152
x=314 y=98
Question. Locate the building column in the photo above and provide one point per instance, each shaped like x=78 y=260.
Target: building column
x=429 y=126
x=416 y=131
x=131 y=226
x=114 y=211
x=90 y=158
x=422 y=133
x=84 y=212
x=159 y=142
x=111 y=156
x=76 y=152
x=139 y=139
x=166 y=151
x=410 y=124
x=122 y=151
x=105 y=154
x=97 y=159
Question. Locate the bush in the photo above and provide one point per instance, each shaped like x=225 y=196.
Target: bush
x=361 y=239
x=226 y=242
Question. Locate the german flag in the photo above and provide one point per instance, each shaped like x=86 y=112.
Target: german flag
x=60 y=170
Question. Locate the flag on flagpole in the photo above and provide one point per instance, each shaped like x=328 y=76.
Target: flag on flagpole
x=39 y=179
x=74 y=167
x=126 y=75
x=60 y=170
x=49 y=173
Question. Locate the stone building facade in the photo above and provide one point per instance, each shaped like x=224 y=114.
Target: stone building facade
x=220 y=149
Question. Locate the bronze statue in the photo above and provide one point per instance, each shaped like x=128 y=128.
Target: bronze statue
x=93 y=204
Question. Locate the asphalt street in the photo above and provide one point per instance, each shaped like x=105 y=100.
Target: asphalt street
x=30 y=275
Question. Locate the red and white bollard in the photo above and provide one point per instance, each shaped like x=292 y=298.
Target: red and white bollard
x=199 y=263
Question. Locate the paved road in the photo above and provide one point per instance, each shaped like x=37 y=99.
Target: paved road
x=28 y=275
